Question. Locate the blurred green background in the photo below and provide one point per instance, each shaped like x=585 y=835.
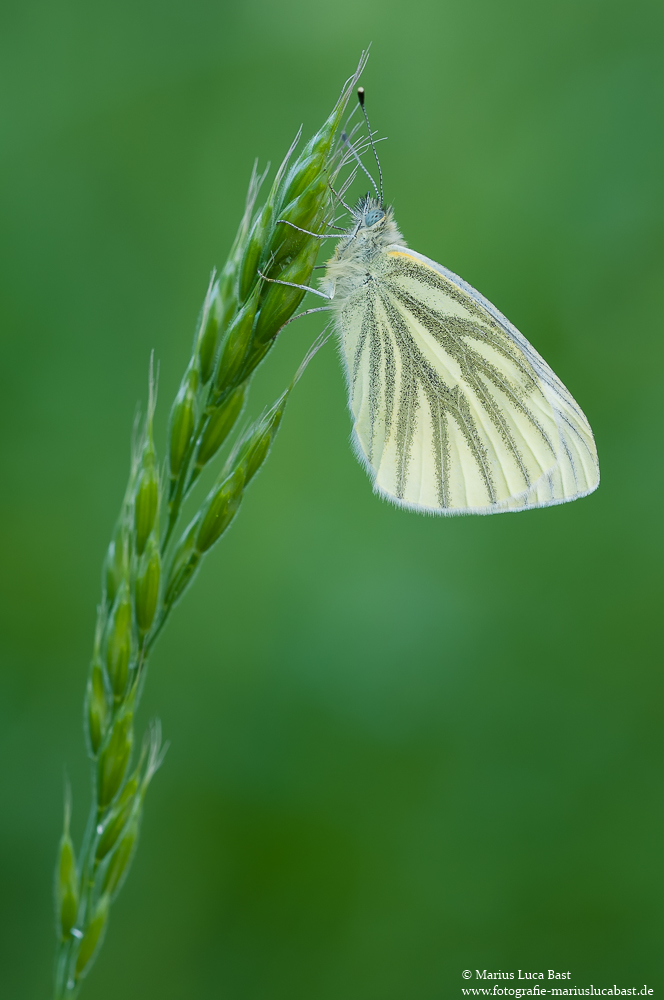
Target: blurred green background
x=400 y=746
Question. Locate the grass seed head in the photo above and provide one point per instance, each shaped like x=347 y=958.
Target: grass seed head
x=240 y=319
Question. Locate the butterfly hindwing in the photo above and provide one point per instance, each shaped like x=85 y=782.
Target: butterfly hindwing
x=454 y=411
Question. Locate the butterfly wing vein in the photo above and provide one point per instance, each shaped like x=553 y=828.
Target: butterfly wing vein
x=454 y=411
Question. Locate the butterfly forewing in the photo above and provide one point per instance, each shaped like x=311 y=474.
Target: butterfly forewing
x=454 y=411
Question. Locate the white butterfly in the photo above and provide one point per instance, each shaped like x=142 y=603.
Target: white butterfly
x=454 y=411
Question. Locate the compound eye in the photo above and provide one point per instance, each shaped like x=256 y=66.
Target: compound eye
x=374 y=216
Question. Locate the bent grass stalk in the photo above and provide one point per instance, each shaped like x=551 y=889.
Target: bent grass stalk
x=148 y=567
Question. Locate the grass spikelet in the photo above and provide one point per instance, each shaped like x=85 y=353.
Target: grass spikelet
x=147 y=568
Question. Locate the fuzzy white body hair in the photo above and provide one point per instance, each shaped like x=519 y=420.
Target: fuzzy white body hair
x=346 y=271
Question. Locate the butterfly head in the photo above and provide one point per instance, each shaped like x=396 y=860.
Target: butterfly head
x=369 y=213
x=372 y=217
x=373 y=227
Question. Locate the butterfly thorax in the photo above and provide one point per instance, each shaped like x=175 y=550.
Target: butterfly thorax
x=359 y=250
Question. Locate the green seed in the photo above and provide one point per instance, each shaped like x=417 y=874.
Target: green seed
x=114 y=758
x=66 y=883
x=305 y=171
x=255 y=449
x=184 y=565
x=92 y=937
x=222 y=506
x=228 y=279
x=227 y=294
x=117 y=819
x=255 y=250
x=118 y=649
x=182 y=420
x=120 y=859
x=146 y=590
x=219 y=425
x=312 y=166
x=208 y=334
x=131 y=797
x=258 y=454
x=236 y=343
x=97 y=706
x=280 y=301
x=146 y=499
x=306 y=212
x=116 y=568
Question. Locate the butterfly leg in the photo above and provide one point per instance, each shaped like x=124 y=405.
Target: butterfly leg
x=291 y=284
x=306 y=312
x=319 y=236
x=339 y=198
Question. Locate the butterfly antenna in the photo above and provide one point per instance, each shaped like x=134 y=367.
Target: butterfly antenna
x=346 y=141
x=360 y=97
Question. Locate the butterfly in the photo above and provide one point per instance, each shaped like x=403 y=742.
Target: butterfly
x=454 y=411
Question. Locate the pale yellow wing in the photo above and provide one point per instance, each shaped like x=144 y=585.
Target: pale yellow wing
x=454 y=411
